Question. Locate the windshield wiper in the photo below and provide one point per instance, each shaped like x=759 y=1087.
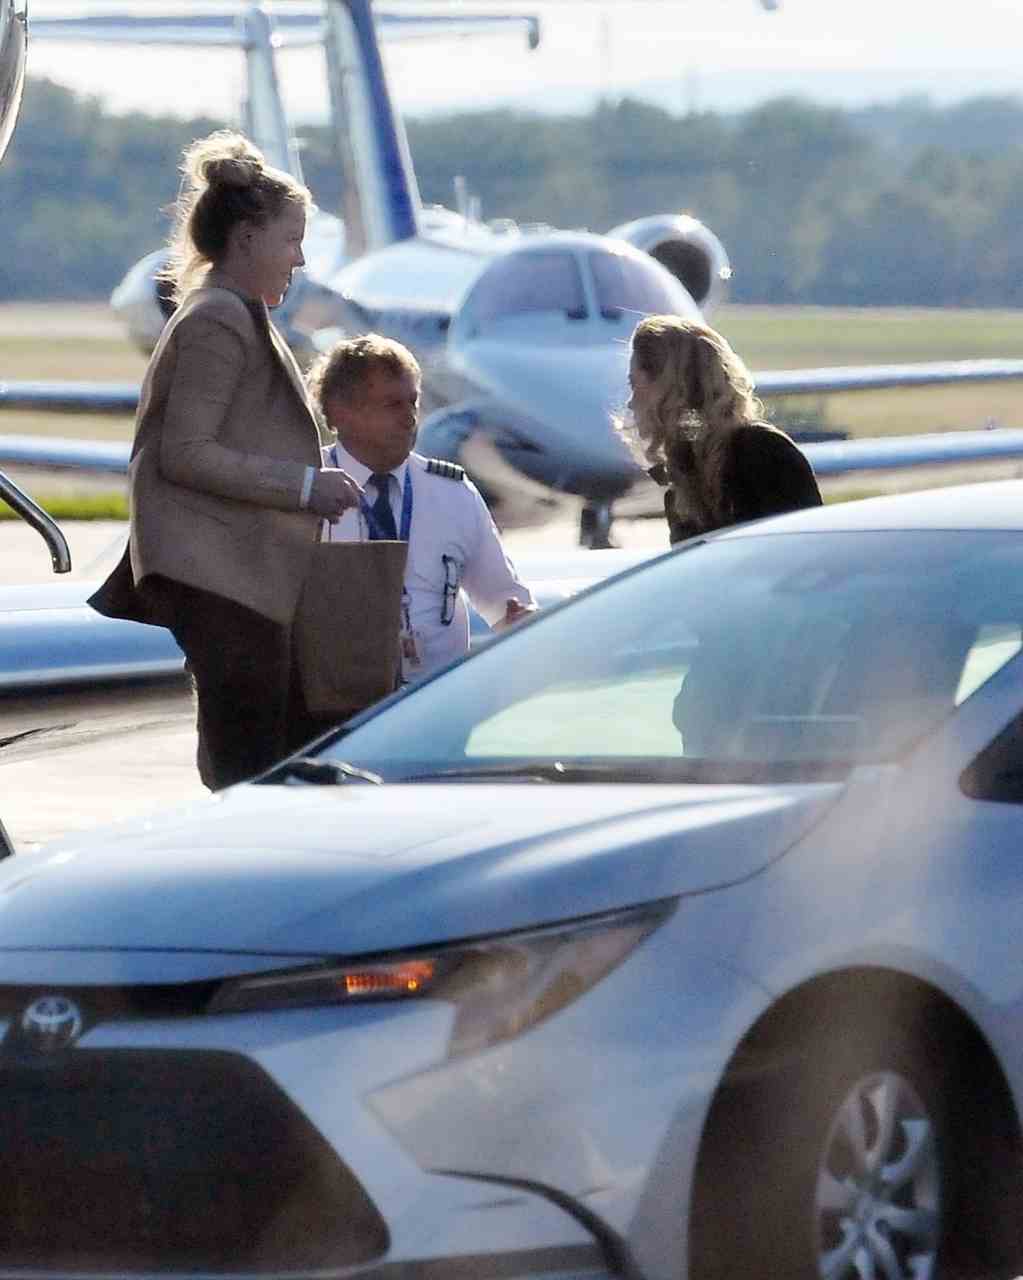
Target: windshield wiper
x=324 y=773
x=638 y=770
x=531 y=771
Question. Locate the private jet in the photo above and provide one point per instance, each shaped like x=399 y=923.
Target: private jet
x=522 y=333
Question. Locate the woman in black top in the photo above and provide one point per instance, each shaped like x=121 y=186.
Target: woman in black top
x=700 y=427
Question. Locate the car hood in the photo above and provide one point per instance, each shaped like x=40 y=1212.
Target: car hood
x=312 y=870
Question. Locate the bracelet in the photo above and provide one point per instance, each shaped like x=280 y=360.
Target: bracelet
x=307 y=488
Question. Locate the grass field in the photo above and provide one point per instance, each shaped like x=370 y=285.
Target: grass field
x=83 y=342
x=798 y=337
x=66 y=343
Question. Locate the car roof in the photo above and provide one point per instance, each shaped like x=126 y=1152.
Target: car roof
x=992 y=505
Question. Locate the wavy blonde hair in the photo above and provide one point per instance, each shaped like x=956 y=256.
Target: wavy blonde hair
x=700 y=392
x=225 y=180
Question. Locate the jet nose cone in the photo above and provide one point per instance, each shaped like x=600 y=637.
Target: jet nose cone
x=562 y=403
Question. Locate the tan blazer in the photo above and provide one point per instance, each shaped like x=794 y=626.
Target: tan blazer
x=224 y=434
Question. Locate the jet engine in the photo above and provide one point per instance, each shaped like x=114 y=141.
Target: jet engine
x=690 y=251
x=142 y=300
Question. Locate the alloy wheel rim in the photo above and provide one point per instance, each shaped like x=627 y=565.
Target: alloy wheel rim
x=877 y=1198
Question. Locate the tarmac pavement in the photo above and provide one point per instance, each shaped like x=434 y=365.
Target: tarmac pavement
x=104 y=754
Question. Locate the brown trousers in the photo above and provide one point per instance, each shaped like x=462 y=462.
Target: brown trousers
x=250 y=711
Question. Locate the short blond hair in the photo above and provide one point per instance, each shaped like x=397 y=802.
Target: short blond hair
x=346 y=367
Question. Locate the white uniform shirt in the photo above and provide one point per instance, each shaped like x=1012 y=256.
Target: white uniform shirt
x=449 y=518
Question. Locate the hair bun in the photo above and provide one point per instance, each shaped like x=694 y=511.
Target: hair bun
x=224 y=159
x=231 y=171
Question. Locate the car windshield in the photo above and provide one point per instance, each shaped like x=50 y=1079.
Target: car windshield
x=742 y=659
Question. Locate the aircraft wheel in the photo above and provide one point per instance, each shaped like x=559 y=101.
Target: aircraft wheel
x=595 y=526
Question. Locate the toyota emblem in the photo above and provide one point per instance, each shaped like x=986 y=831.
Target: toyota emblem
x=51 y=1023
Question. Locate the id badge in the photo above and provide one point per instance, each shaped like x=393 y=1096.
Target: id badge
x=411 y=649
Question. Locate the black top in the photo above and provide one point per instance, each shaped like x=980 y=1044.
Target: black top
x=764 y=475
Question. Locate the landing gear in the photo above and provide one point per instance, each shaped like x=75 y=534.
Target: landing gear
x=595 y=526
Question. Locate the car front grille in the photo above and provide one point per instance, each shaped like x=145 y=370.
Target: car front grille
x=169 y=1161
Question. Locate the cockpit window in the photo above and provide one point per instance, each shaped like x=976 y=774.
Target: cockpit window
x=629 y=286
x=519 y=282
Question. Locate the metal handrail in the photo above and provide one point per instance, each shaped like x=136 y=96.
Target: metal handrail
x=32 y=513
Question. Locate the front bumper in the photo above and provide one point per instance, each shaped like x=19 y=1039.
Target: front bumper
x=240 y=1145
x=346 y=1140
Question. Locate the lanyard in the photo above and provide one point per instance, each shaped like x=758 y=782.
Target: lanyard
x=405 y=526
x=403 y=532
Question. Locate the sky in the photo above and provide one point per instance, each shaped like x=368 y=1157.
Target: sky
x=705 y=54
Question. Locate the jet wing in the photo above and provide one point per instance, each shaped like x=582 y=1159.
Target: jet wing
x=158 y=29
x=878 y=453
x=794 y=382
x=293 y=27
x=70 y=397
x=60 y=453
x=881 y=453
x=828 y=459
x=66 y=452
x=51 y=639
x=408 y=26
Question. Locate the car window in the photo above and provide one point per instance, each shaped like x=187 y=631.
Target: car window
x=993 y=645
x=774 y=651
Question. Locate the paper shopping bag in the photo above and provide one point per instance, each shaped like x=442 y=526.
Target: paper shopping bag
x=347 y=626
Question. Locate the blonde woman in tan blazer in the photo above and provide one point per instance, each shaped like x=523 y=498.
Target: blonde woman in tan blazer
x=226 y=483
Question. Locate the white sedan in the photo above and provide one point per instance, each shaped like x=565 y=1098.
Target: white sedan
x=675 y=933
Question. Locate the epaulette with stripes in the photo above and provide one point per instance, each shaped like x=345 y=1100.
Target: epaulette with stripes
x=449 y=470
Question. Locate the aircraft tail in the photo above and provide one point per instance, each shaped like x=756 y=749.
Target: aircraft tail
x=382 y=202
x=250 y=29
x=263 y=116
x=381 y=196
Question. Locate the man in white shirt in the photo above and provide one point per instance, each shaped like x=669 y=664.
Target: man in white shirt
x=367 y=390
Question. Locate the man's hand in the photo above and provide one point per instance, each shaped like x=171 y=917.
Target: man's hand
x=333 y=493
x=514 y=611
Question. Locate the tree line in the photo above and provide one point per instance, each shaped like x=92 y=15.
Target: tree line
x=906 y=203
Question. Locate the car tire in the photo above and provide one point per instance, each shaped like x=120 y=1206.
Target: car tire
x=834 y=1162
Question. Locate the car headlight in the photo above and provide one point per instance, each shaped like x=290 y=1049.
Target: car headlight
x=500 y=986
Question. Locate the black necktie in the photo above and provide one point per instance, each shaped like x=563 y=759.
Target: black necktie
x=383 y=525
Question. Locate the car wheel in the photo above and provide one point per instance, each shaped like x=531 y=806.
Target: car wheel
x=876 y=1201
x=834 y=1166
